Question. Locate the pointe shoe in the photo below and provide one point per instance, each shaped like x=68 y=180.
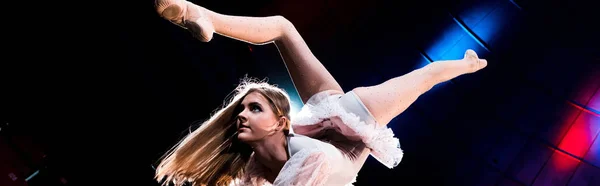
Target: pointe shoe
x=188 y=16
x=477 y=64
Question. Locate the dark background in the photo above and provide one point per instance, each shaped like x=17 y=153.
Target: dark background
x=95 y=92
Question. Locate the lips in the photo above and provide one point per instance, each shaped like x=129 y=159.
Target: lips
x=243 y=127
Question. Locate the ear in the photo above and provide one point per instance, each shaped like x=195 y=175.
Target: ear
x=281 y=123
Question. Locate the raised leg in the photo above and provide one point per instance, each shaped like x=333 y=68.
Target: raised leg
x=390 y=98
x=307 y=73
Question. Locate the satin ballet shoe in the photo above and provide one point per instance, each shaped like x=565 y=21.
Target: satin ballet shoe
x=188 y=16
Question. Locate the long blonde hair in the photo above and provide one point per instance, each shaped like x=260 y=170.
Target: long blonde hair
x=212 y=154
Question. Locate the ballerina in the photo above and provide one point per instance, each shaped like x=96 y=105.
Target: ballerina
x=252 y=140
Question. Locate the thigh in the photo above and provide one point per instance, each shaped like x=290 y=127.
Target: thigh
x=308 y=74
x=390 y=98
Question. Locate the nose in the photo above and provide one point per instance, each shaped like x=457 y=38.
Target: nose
x=242 y=117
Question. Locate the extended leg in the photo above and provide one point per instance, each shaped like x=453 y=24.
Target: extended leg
x=308 y=74
x=390 y=98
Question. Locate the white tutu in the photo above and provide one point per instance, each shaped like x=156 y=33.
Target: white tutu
x=348 y=116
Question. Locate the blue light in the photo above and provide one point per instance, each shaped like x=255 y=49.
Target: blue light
x=448 y=38
x=287 y=85
x=32 y=175
x=473 y=28
x=516 y=5
x=472 y=34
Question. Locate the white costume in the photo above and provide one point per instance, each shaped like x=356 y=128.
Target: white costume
x=330 y=140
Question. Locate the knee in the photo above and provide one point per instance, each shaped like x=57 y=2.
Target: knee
x=285 y=24
x=282 y=19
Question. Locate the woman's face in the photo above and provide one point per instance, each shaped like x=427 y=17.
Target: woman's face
x=256 y=119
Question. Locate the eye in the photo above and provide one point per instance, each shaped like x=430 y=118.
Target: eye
x=255 y=108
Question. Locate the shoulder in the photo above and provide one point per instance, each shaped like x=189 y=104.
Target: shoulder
x=304 y=150
x=305 y=147
x=309 y=166
x=297 y=143
x=311 y=156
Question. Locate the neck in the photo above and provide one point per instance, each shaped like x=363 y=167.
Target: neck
x=271 y=152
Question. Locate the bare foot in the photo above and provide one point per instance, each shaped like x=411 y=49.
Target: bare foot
x=475 y=64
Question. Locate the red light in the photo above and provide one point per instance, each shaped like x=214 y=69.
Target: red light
x=581 y=135
x=563 y=163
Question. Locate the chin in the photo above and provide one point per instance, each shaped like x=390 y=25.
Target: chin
x=244 y=137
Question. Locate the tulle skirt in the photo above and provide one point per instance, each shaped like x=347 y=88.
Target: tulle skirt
x=328 y=117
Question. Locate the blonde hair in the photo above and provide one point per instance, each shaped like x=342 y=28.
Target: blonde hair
x=212 y=154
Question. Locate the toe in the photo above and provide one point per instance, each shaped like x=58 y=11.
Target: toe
x=482 y=63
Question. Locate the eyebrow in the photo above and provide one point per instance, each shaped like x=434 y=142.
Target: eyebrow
x=253 y=103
